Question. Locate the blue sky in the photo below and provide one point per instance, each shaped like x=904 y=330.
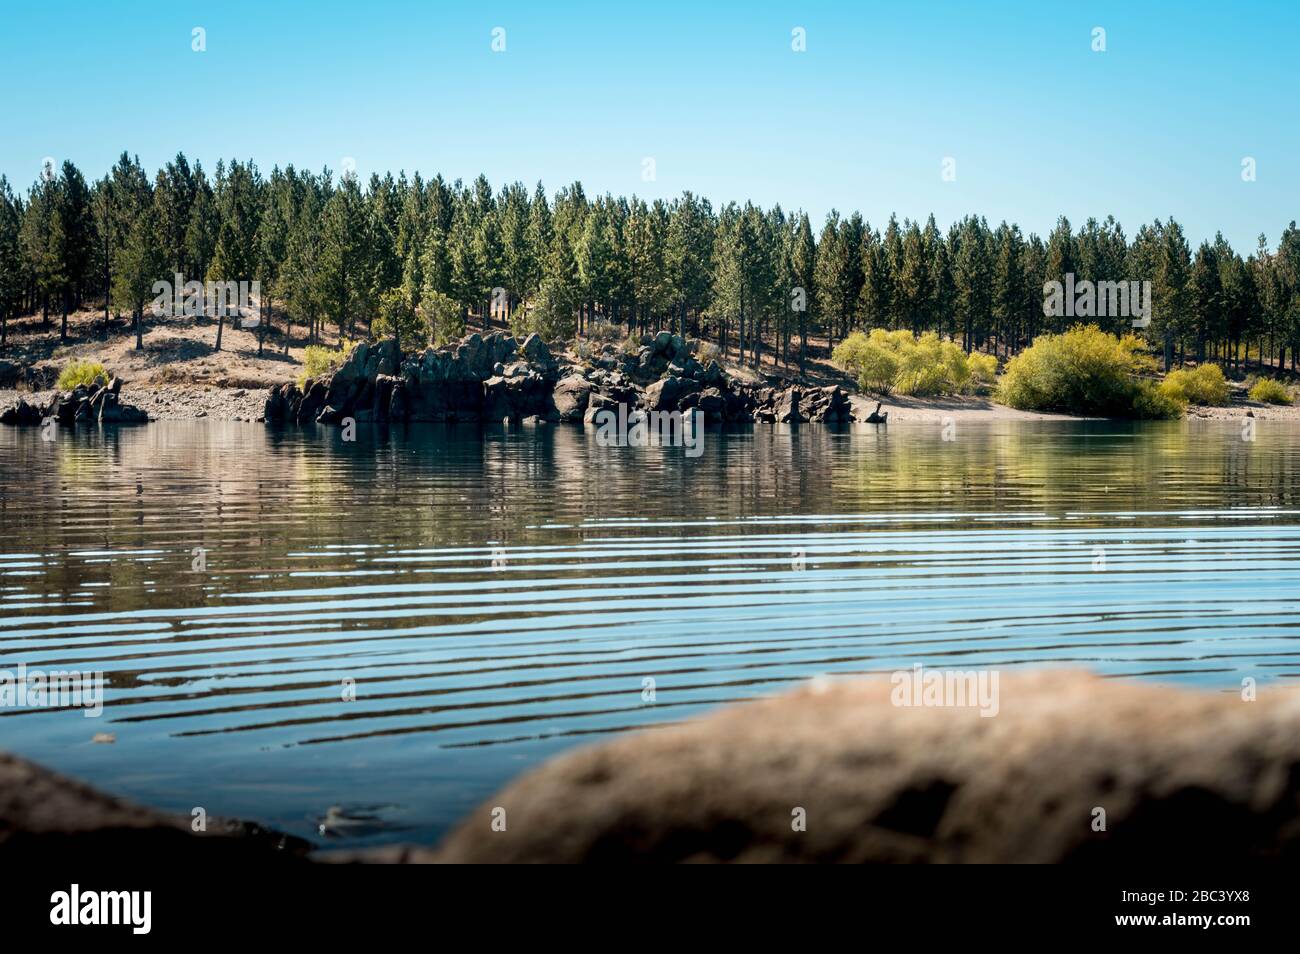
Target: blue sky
x=1037 y=122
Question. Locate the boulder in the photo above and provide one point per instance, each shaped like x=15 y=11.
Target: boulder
x=571 y=396
x=713 y=404
x=1183 y=776
x=46 y=818
x=113 y=411
x=518 y=397
x=666 y=393
x=282 y=403
x=829 y=405
x=537 y=354
x=785 y=407
x=22 y=414
x=312 y=402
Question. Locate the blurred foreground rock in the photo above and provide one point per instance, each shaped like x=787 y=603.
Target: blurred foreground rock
x=49 y=818
x=1181 y=775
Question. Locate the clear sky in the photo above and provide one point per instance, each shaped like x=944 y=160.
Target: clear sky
x=1038 y=123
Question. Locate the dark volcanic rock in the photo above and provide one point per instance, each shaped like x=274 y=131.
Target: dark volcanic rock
x=83 y=405
x=518 y=397
x=666 y=394
x=829 y=405
x=1182 y=776
x=571 y=397
x=785 y=408
x=22 y=414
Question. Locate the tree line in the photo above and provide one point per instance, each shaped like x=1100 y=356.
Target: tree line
x=424 y=258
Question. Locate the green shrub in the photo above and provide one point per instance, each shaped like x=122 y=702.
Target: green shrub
x=445 y=318
x=553 y=315
x=1082 y=371
x=1201 y=385
x=888 y=361
x=399 y=317
x=78 y=373
x=1270 y=391
x=1156 y=403
x=983 y=370
x=318 y=360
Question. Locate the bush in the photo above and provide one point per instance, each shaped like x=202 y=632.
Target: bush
x=887 y=361
x=399 y=317
x=81 y=373
x=1083 y=371
x=1156 y=403
x=1270 y=391
x=1201 y=385
x=318 y=360
x=983 y=370
x=553 y=315
x=445 y=318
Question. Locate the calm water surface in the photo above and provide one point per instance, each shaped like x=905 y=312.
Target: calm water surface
x=500 y=596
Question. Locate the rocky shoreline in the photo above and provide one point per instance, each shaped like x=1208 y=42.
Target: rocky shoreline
x=1073 y=768
x=495 y=378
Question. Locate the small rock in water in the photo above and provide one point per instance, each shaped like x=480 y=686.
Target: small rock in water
x=106 y=738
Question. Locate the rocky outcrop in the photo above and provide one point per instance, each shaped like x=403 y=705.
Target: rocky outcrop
x=494 y=378
x=835 y=772
x=100 y=404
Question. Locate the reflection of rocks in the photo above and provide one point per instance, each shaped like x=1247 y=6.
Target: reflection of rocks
x=100 y=404
x=1182 y=776
x=494 y=378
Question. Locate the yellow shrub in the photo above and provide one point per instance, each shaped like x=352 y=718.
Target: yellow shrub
x=78 y=373
x=886 y=361
x=1270 y=391
x=318 y=360
x=1201 y=385
x=1083 y=371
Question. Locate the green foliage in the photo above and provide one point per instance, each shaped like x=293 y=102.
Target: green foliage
x=398 y=318
x=81 y=373
x=983 y=370
x=1156 y=403
x=317 y=360
x=1083 y=371
x=553 y=314
x=444 y=317
x=889 y=361
x=1201 y=385
x=1270 y=391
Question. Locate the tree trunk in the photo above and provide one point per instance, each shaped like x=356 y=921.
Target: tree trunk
x=221 y=324
x=139 y=330
x=63 y=328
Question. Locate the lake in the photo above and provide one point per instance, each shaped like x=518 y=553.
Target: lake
x=493 y=597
